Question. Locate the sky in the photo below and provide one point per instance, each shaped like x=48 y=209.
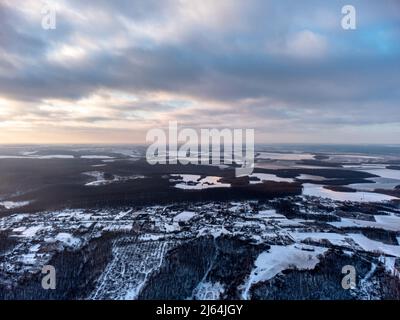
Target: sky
x=112 y=70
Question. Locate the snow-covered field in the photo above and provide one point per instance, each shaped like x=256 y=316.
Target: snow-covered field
x=385 y=173
x=347 y=157
x=295 y=243
x=129 y=269
x=313 y=190
x=13 y=204
x=379 y=183
x=334 y=238
x=268 y=177
x=279 y=258
x=208 y=291
x=100 y=179
x=184 y=216
x=344 y=240
x=284 y=156
x=375 y=246
x=96 y=157
x=53 y=156
x=269 y=214
x=388 y=178
x=383 y=222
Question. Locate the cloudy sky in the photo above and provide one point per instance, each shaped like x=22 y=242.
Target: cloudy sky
x=111 y=70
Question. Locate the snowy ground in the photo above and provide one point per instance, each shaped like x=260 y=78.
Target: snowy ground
x=279 y=258
x=13 y=204
x=284 y=156
x=313 y=190
x=148 y=234
x=100 y=179
x=268 y=177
